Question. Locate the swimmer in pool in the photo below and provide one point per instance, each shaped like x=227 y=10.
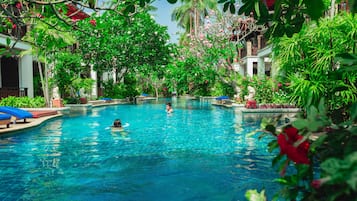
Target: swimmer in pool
x=117 y=126
x=169 y=108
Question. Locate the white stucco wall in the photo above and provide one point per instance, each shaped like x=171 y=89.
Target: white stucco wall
x=250 y=61
x=25 y=64
x=93 y=75
x=26 y=74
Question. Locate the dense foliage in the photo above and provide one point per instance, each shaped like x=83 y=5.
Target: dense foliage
x=320 y=169
x=125 y=46
x=309 y=62
x=23 y=102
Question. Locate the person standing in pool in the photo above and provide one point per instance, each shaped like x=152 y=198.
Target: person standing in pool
x=169 y=108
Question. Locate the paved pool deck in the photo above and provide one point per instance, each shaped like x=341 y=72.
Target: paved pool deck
x=30 y=123
x=34 y=122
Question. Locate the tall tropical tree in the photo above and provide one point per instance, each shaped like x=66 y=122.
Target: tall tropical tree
x=190 y=15
x=124 y=45
x=46 y=42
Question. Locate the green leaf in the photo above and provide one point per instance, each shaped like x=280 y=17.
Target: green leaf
x=352 y=68
x=271 y=129
x=353 y=5
x=314 y=126
x=281 y=181
x=331 y=166
x=276 y=159
x=172 y=1
x=347 y=58
x=130 y=9
x=246 y=8
x=253 y=195
x=352 y=180
x=92 y=3
x=322 y=108
x=256 y=8
x=314 y=8
x=142 y=3
x=225 y=6
x=8 y=41
x=354 y=111
x=232 y=8
x=318 y=142
x=222 y=1
x=300 y=123
x=312 y=112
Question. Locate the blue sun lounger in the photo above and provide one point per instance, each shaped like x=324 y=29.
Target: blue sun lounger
x=16 y=112
x=5 y=119
x=222 y=98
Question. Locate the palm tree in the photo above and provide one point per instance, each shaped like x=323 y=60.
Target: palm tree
x=191 y=14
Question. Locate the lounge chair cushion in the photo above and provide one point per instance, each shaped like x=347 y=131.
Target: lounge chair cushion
x=18 y=113
x=5 y=116
x=106 y=99
x=222 y=98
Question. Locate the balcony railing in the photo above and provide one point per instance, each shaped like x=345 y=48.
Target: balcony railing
x=12 y=91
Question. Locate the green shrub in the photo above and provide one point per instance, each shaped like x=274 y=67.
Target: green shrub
x=23 y=102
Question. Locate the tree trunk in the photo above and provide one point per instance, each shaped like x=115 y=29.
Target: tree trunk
x=44 y=83
x=332 y=10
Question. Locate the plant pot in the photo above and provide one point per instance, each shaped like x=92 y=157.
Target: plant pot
x=83 y=100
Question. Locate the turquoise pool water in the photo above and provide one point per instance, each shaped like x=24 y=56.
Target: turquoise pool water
x=199 y=153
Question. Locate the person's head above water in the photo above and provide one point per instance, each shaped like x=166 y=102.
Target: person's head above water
x=117 y=123
x=169 y=108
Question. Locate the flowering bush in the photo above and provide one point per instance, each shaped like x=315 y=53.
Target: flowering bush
x=323 y=156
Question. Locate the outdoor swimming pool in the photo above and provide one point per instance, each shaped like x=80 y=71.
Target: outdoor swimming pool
x=199 y=153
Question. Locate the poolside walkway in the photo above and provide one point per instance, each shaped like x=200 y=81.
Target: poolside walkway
x=21 y=125
x=44 y=114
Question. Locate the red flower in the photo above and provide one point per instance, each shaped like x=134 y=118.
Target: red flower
x=39 y=15
x=93 y=22
x=251 y=104
x=269 y=3
x=286 y=141
x=14 y=26
x=279 y=85
x=18 y=5
x=319 y=182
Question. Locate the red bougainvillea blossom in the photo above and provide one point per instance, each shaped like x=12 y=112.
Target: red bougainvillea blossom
x=286 y=141
x=93 y=22
x=75 y=14
x=18 y=5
